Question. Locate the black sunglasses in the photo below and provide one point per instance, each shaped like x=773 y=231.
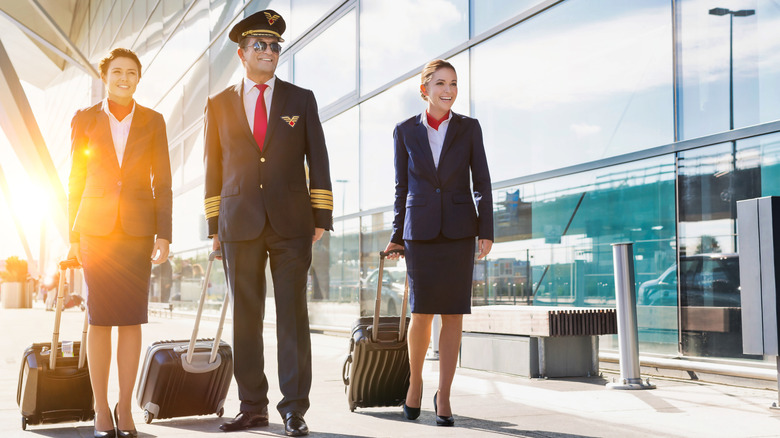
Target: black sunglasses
x=260 y=47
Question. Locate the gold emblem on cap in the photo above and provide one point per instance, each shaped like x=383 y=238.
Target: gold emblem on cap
x=290 y=120
x=271 y=18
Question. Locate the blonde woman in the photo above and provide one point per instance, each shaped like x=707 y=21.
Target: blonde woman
x=440 y=171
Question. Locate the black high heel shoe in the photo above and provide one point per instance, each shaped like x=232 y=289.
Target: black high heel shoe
x=123 y=433
x=441 y=420
x=413 y=413
x=104 y=433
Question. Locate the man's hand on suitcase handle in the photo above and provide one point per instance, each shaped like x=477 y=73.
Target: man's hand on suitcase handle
x=393 y=251
x=215 y=246
x=70 y=263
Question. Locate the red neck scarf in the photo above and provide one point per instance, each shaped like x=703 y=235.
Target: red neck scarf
x=433 y=123
x=120 y=111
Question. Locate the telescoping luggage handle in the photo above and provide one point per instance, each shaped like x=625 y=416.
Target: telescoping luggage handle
x=64 y=265
x=215 y=347
x=378 y=304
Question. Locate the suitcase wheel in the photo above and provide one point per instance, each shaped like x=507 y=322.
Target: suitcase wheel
x=221 y=412
x=148 y=416
x=24 y=423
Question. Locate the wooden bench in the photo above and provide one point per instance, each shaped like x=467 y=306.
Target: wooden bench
x=536 y=341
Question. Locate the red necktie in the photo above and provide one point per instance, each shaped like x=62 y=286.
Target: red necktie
x=261 y=117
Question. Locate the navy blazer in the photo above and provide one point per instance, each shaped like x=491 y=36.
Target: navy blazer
x=287 y=183
x=137 y=195
x=431 y=201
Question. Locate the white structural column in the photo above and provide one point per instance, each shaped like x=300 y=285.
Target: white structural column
x=18 y=122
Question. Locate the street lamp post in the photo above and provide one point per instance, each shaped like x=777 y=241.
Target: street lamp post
x=741 y=13
x=731 y=14
x=343 y=183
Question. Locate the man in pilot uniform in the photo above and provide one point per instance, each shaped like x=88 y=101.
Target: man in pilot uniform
x=268 y=196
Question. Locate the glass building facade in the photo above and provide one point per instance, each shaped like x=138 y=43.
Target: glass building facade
x=604 y=121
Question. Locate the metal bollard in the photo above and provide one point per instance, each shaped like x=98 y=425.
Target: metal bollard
x=625 y=299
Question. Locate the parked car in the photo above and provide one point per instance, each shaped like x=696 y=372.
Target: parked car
x=393 y=280
x=710 y=280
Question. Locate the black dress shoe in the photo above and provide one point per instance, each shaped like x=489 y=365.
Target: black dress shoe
x=441 y=420
x=412 y=413
x=294 y=425
x=245 y=420
x=123 y=433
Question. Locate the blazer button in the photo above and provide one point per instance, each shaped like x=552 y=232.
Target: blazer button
x=262 y=159
x=438 y=190
x=119 y=183
x=261 y=186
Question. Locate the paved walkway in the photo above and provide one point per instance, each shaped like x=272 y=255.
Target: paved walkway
x=485 y=404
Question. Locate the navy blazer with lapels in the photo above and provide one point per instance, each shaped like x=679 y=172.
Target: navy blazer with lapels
x=135 y=196
x=431 y=201
x=287 y=182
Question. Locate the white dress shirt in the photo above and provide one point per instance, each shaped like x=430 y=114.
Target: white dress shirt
x=436 y=137
x=119 y=130
x=250 y=99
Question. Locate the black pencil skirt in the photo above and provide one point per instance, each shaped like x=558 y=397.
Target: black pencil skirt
x=117 y=269
x=440 y=275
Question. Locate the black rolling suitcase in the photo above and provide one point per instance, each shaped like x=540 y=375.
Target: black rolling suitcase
x=376 y=371
x=54 y=388
x=187 y=377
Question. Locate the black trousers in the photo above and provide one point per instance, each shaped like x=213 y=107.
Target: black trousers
x=245 y=263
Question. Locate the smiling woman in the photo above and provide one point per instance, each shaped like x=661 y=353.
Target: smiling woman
x=119 y=219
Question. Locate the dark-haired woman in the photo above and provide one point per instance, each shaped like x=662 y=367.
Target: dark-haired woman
x=119 y=205
x=440 y=171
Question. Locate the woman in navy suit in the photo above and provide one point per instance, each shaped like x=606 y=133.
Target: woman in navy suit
x=443 y=201
x=119 y=205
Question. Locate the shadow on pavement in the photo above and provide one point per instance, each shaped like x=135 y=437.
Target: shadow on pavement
x=475 y=424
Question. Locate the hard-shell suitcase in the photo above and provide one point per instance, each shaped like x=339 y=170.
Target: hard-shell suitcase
x=376 y=370
x=55 y=388
x=187 y=377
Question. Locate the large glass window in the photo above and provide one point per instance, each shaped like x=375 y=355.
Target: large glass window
x=328 y=65
x=397 y=36
x=341 y=135
x=375 y=235
x=711 y=181
x=553 y=243
x=334 y=276
x=577 y=83
x=727 y=58
x=486 y=14
x=305 y=14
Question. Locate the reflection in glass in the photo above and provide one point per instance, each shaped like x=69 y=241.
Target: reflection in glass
x=341 y=137
x=719 y=50
x=304 y=14
x=553 y=242
x=327 y=64
x=375 y=234
x=486 y=14
x=561 y=89
x=419 y=32
x=334 y=276
x=711 y=181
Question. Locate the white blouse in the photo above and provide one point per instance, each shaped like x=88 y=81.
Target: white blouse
x=119 y=130
x=436 y=137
